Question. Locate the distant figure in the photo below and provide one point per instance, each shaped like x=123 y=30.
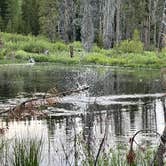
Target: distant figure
x=31 y=60
x=71 y=49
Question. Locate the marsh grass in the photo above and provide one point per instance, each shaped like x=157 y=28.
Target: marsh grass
x=117 y=157
x=21 y=152
x=27 y=152
x=114 y=156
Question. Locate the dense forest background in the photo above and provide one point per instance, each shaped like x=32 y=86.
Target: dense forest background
x=105 y=22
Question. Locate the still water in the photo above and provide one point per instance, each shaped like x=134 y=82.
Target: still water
x=119 y=102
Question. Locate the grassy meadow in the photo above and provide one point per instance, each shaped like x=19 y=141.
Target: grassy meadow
x=19 y=49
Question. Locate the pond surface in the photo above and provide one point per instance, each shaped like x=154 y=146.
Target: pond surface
x=119 y=102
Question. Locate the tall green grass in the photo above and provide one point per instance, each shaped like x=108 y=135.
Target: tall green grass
x=21 y=152
x=26 y=152
x=127 y=53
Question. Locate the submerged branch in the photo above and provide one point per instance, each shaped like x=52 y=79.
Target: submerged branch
x=31 y=107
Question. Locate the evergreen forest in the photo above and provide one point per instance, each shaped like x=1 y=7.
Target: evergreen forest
x=104 y=22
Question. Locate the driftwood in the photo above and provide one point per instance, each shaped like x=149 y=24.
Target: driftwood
x=31 y=107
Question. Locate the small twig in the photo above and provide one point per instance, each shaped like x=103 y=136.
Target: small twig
x=100 y=147
x=102 y=142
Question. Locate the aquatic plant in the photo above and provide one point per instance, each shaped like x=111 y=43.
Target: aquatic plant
x=26 y=152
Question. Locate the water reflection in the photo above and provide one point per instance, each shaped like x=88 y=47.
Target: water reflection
x=118 y=103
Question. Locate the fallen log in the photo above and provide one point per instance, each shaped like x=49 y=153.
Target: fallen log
x=31 y=107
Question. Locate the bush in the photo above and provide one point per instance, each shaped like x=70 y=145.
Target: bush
x=40 y=58
x=163 y=51
x=3 y=53
x=95 y=58
x=14 y=37
x=22 y=55
x=59 y=46
x=77 y=45
x=130 y=46
x=36 y=46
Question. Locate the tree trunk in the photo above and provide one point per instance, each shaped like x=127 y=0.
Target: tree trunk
x=118 y=4
x=87 y=31
x=154 y=22
x=162 y=32
x=108 y=24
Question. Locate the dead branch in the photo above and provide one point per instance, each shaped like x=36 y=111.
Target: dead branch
x=31 y=107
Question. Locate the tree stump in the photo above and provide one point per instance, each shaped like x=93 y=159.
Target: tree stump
x=71 y=50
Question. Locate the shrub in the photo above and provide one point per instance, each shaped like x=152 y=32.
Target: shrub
x=163 y=51
x=40 y=58
x=14 y=37
x=130 y=46
x=36 y=46
x=77 y=45
x=3 y=53
x=20 y=54
x=95 y=58
x=59 y=46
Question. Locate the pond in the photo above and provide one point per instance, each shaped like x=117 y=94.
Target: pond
x=118 y=103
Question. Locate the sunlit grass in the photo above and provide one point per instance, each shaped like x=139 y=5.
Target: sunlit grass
x=21 y=48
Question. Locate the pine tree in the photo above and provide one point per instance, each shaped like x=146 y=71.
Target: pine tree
x=13 y=15
x=48 y=18
x=3 y=11
x=30 y=15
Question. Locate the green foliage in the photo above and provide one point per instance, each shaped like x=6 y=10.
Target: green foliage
x=60 y=46
x=35 y=46
x=13 y=15
x=21 y=48
x=48 y=18
x=30 y=15
x=3 y=52
x=130 y=46
x=163 y=51
x=136 y=35
x=77 y=45
x=8 y=37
